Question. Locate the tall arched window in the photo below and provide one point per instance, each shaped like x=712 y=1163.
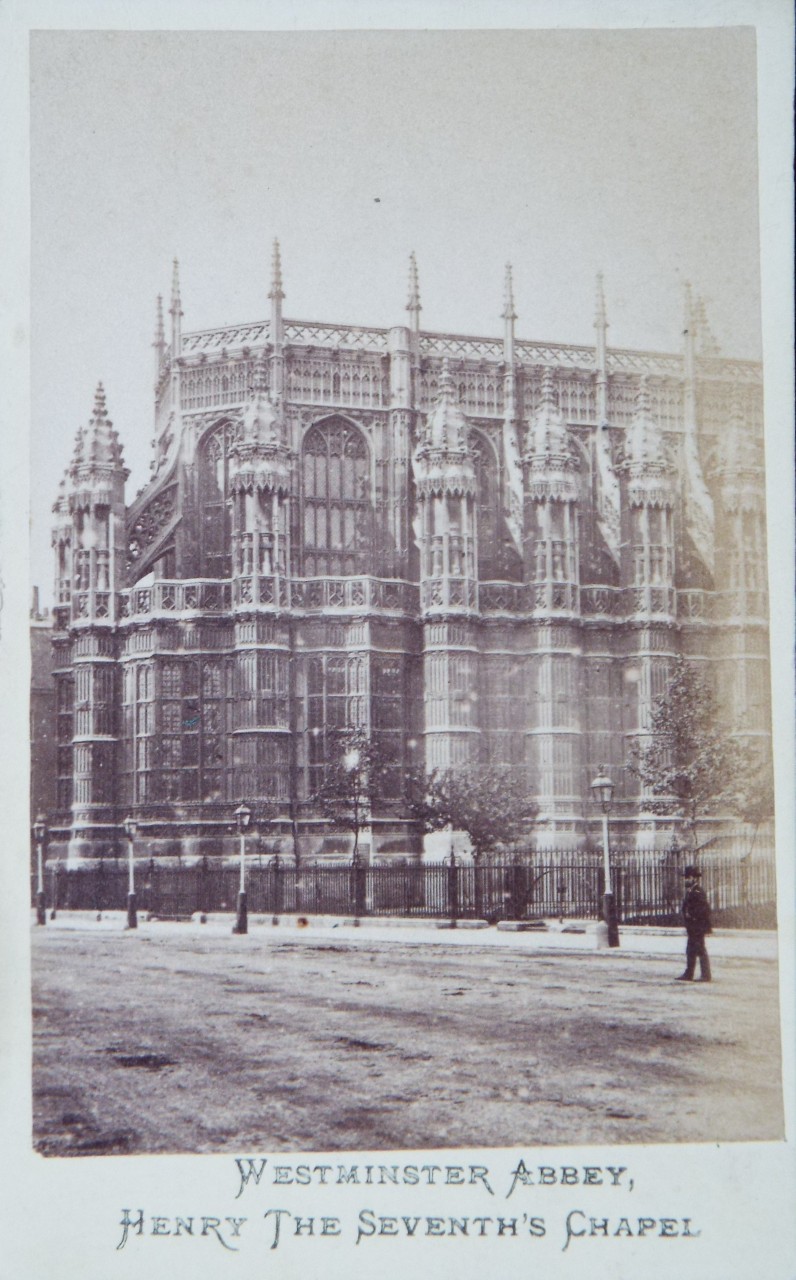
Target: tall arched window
x=489 y=550
x=214 y=518
x=337 y=505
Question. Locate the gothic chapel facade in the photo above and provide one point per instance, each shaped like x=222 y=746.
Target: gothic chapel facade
x=475 y=549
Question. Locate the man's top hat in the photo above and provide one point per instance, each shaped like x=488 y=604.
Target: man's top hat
x=692 y=873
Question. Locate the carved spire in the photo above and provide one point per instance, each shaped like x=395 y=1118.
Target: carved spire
x=176 y=301
x=600 y=316
x=447 y=425
x=160 y=333
x=276 y=292
x=645 y=449
x=601 y=351
x=100 y=409
x=548 y=437
x=259 y=456
x=102 y=440
x=260 y=374
x=413 y=303
x=708 y=345
x=175 y=311
x=259 y=415
x=508 y=295
x=159 y=344
x=97 y=472
x=689 y=331
x=509 y=316
x=737 y=455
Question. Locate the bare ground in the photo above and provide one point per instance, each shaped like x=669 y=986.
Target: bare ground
x=190 y=1043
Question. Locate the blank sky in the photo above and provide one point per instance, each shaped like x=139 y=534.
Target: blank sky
x=630 y=152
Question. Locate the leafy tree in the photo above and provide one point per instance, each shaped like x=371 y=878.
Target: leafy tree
x=491 y=804
x=689 y=761
x=353 y=775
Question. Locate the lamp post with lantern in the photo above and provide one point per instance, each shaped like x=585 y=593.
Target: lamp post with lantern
x=130 y=828
x=243 y=817
x=602 y=789
x=40 y=833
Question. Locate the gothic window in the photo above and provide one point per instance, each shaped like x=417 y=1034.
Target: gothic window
x=336 y=700
x=214 y=517
x=65 y=694
x=337 y=502
x=190 y=759
x=489 y=558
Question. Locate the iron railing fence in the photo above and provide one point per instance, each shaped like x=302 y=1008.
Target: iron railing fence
x=648 y=888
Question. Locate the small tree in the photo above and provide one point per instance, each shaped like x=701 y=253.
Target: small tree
x=352 y=777
x=755 y=798
x=689 y=761
x=489 y=803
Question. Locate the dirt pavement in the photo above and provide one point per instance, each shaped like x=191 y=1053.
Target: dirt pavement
x=179 y=1040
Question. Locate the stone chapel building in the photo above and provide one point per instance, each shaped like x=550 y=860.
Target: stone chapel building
x=473 y=548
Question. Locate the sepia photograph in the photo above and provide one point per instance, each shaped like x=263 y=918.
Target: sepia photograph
x=400 y=640
x=396 y=585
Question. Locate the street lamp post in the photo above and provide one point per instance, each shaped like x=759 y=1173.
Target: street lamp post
x=130 y=828
x=602 y=789
x=40 y=836
x=243 y=816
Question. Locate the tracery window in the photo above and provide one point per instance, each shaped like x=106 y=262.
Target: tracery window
x=214 y=515
x=336 y=700
x=337 y=501
x=489 y=558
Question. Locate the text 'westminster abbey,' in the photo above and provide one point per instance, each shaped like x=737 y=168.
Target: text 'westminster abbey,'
x=474 y=549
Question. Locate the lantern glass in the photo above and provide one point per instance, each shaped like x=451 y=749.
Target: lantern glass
x=130 y=827
x=40 y=827
x=243 y=816
x=602 y=789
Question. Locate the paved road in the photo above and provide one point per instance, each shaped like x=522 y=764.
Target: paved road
x=185 y=1038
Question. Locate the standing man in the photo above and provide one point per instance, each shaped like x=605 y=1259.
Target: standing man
x=696 y=914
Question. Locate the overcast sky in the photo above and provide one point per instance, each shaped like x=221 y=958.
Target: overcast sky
x=630 y=152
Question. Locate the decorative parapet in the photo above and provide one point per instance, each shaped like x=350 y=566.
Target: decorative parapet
x=741 y=606
x=457 y=347
x=602 y=601
x=449 y=595
x=557 y=355
x=729 y=370
x=179 y=597
x=356 y=595
x=308 y=333
x=353 y=337
x=91 y=607
x=656 y=602
x=266 y=590
x=622 y=360
x=695 y=605
x=230 y=337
